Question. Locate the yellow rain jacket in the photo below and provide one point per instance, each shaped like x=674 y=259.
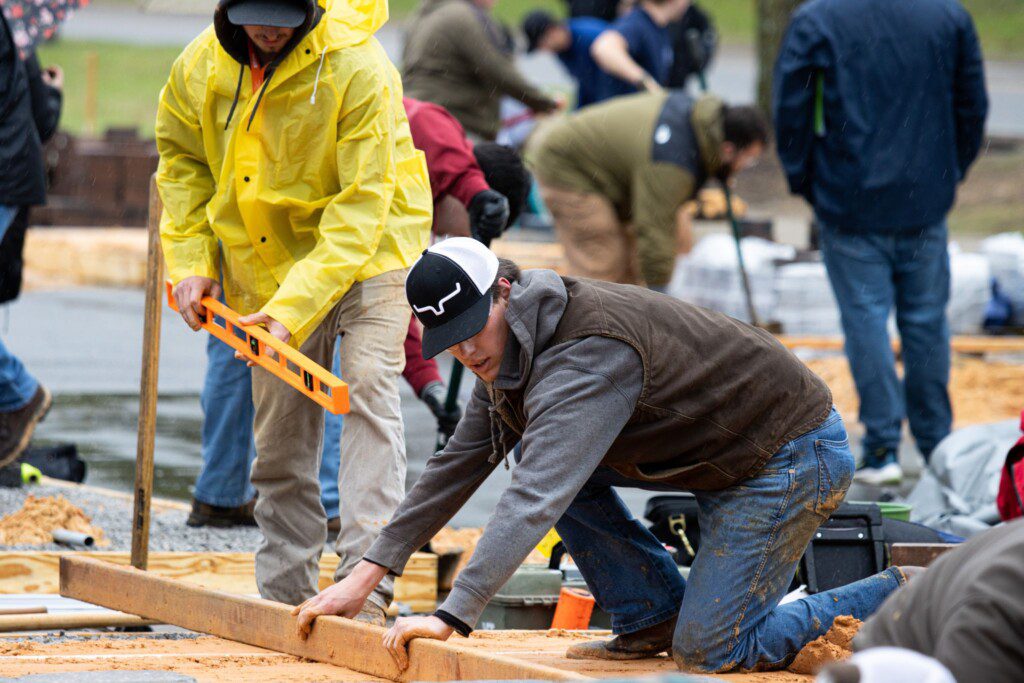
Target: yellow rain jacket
x=310 y=183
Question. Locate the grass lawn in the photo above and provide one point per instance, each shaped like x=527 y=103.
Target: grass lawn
x=130 y=78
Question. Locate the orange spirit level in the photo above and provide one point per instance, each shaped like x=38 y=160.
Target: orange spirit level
x=291 y=365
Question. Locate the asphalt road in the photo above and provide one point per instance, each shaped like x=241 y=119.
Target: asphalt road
x=733 y=74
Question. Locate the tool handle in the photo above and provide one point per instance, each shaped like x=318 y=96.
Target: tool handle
x=294 y=367
x=745 y=280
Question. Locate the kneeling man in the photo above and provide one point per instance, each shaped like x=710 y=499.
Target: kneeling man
x=614 y=385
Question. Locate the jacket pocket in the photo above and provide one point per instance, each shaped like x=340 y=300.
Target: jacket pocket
x=835 y=474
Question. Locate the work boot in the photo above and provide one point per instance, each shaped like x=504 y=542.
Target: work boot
x=221 y=517
x=371 y=613
x=17 y=426
x=648 y=642
x=880 y=467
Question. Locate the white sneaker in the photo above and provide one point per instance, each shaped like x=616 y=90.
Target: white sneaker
x=889 y=474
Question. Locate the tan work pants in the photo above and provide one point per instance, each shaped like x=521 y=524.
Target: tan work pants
x=372 y=318
x=597 y=244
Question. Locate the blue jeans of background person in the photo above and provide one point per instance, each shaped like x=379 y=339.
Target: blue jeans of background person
x=228 y=449
x=871 y=274
x=330 y=455
x=17 y=385
x=752 y=537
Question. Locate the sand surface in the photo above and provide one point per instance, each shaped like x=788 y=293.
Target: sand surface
x=548 y=647
x=834 y=646
x=217 y=661
x=205 y=658
x=981 y=391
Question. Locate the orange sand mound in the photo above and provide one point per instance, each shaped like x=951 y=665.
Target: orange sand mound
x=831 y=647
x=34 y=523
x=981 y=391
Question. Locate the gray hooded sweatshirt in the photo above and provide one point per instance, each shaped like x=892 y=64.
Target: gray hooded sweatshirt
x=578 y=397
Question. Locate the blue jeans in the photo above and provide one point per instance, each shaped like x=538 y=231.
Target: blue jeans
x=17 y=385
x=752 y=537
x=871 y=274
x=228 y=449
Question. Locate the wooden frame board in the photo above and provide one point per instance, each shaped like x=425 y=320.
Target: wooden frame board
x=270 y=625
x=39 y=572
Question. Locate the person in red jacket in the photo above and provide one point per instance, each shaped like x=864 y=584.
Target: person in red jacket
x=478 y=192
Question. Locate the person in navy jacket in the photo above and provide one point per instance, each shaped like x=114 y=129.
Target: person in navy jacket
x=879 y=111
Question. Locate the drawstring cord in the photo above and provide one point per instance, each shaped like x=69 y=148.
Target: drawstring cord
x=316 y=81
x=238 y=92
x=259 y=98
x=266 y=82
x=497 y=435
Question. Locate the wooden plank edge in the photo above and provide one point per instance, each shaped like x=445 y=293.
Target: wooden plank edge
x=268 y=624
x=918 y=554
x=38 y=572
x=67 y=622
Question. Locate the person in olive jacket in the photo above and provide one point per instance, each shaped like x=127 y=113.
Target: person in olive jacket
x=30 y=105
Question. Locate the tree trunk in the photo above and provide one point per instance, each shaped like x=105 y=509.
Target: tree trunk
x=772 y=20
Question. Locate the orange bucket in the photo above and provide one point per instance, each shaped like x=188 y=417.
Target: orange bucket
x=575 y=606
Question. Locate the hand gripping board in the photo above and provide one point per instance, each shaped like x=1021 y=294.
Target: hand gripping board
x=291 y=366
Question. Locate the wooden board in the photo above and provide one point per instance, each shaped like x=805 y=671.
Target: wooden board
x=270 y=625
x=39 y=572
x=918 y=554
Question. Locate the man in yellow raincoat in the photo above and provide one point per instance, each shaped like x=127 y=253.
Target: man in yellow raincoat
x=288 y=173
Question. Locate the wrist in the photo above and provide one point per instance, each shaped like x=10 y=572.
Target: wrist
x=368 y=574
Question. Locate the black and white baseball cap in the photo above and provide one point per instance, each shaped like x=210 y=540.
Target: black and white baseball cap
x=449 y=291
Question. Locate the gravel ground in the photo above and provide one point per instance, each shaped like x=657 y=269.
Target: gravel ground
x=167 y=530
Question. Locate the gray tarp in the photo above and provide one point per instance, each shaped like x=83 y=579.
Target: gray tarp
x=957 y=491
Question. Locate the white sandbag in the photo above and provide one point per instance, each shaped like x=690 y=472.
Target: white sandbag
x=804 y=302
x=709 y=275
x=1005 y=254
x=970 y=290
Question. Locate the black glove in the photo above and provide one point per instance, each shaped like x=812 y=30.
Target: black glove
x=434 y=395
x=488 y=215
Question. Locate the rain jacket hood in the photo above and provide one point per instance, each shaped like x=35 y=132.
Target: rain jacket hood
x=309 y=184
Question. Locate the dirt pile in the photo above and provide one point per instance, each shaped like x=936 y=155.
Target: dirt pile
x=34 y=523
x=981 y=391
x=831 y=647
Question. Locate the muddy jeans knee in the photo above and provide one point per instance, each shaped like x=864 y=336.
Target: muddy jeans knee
x=753 y=535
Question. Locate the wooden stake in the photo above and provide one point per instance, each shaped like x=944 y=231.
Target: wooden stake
x=31 y=609
x=92 y=86
x=148 y=388
x=62 y=622
x=270 y=625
